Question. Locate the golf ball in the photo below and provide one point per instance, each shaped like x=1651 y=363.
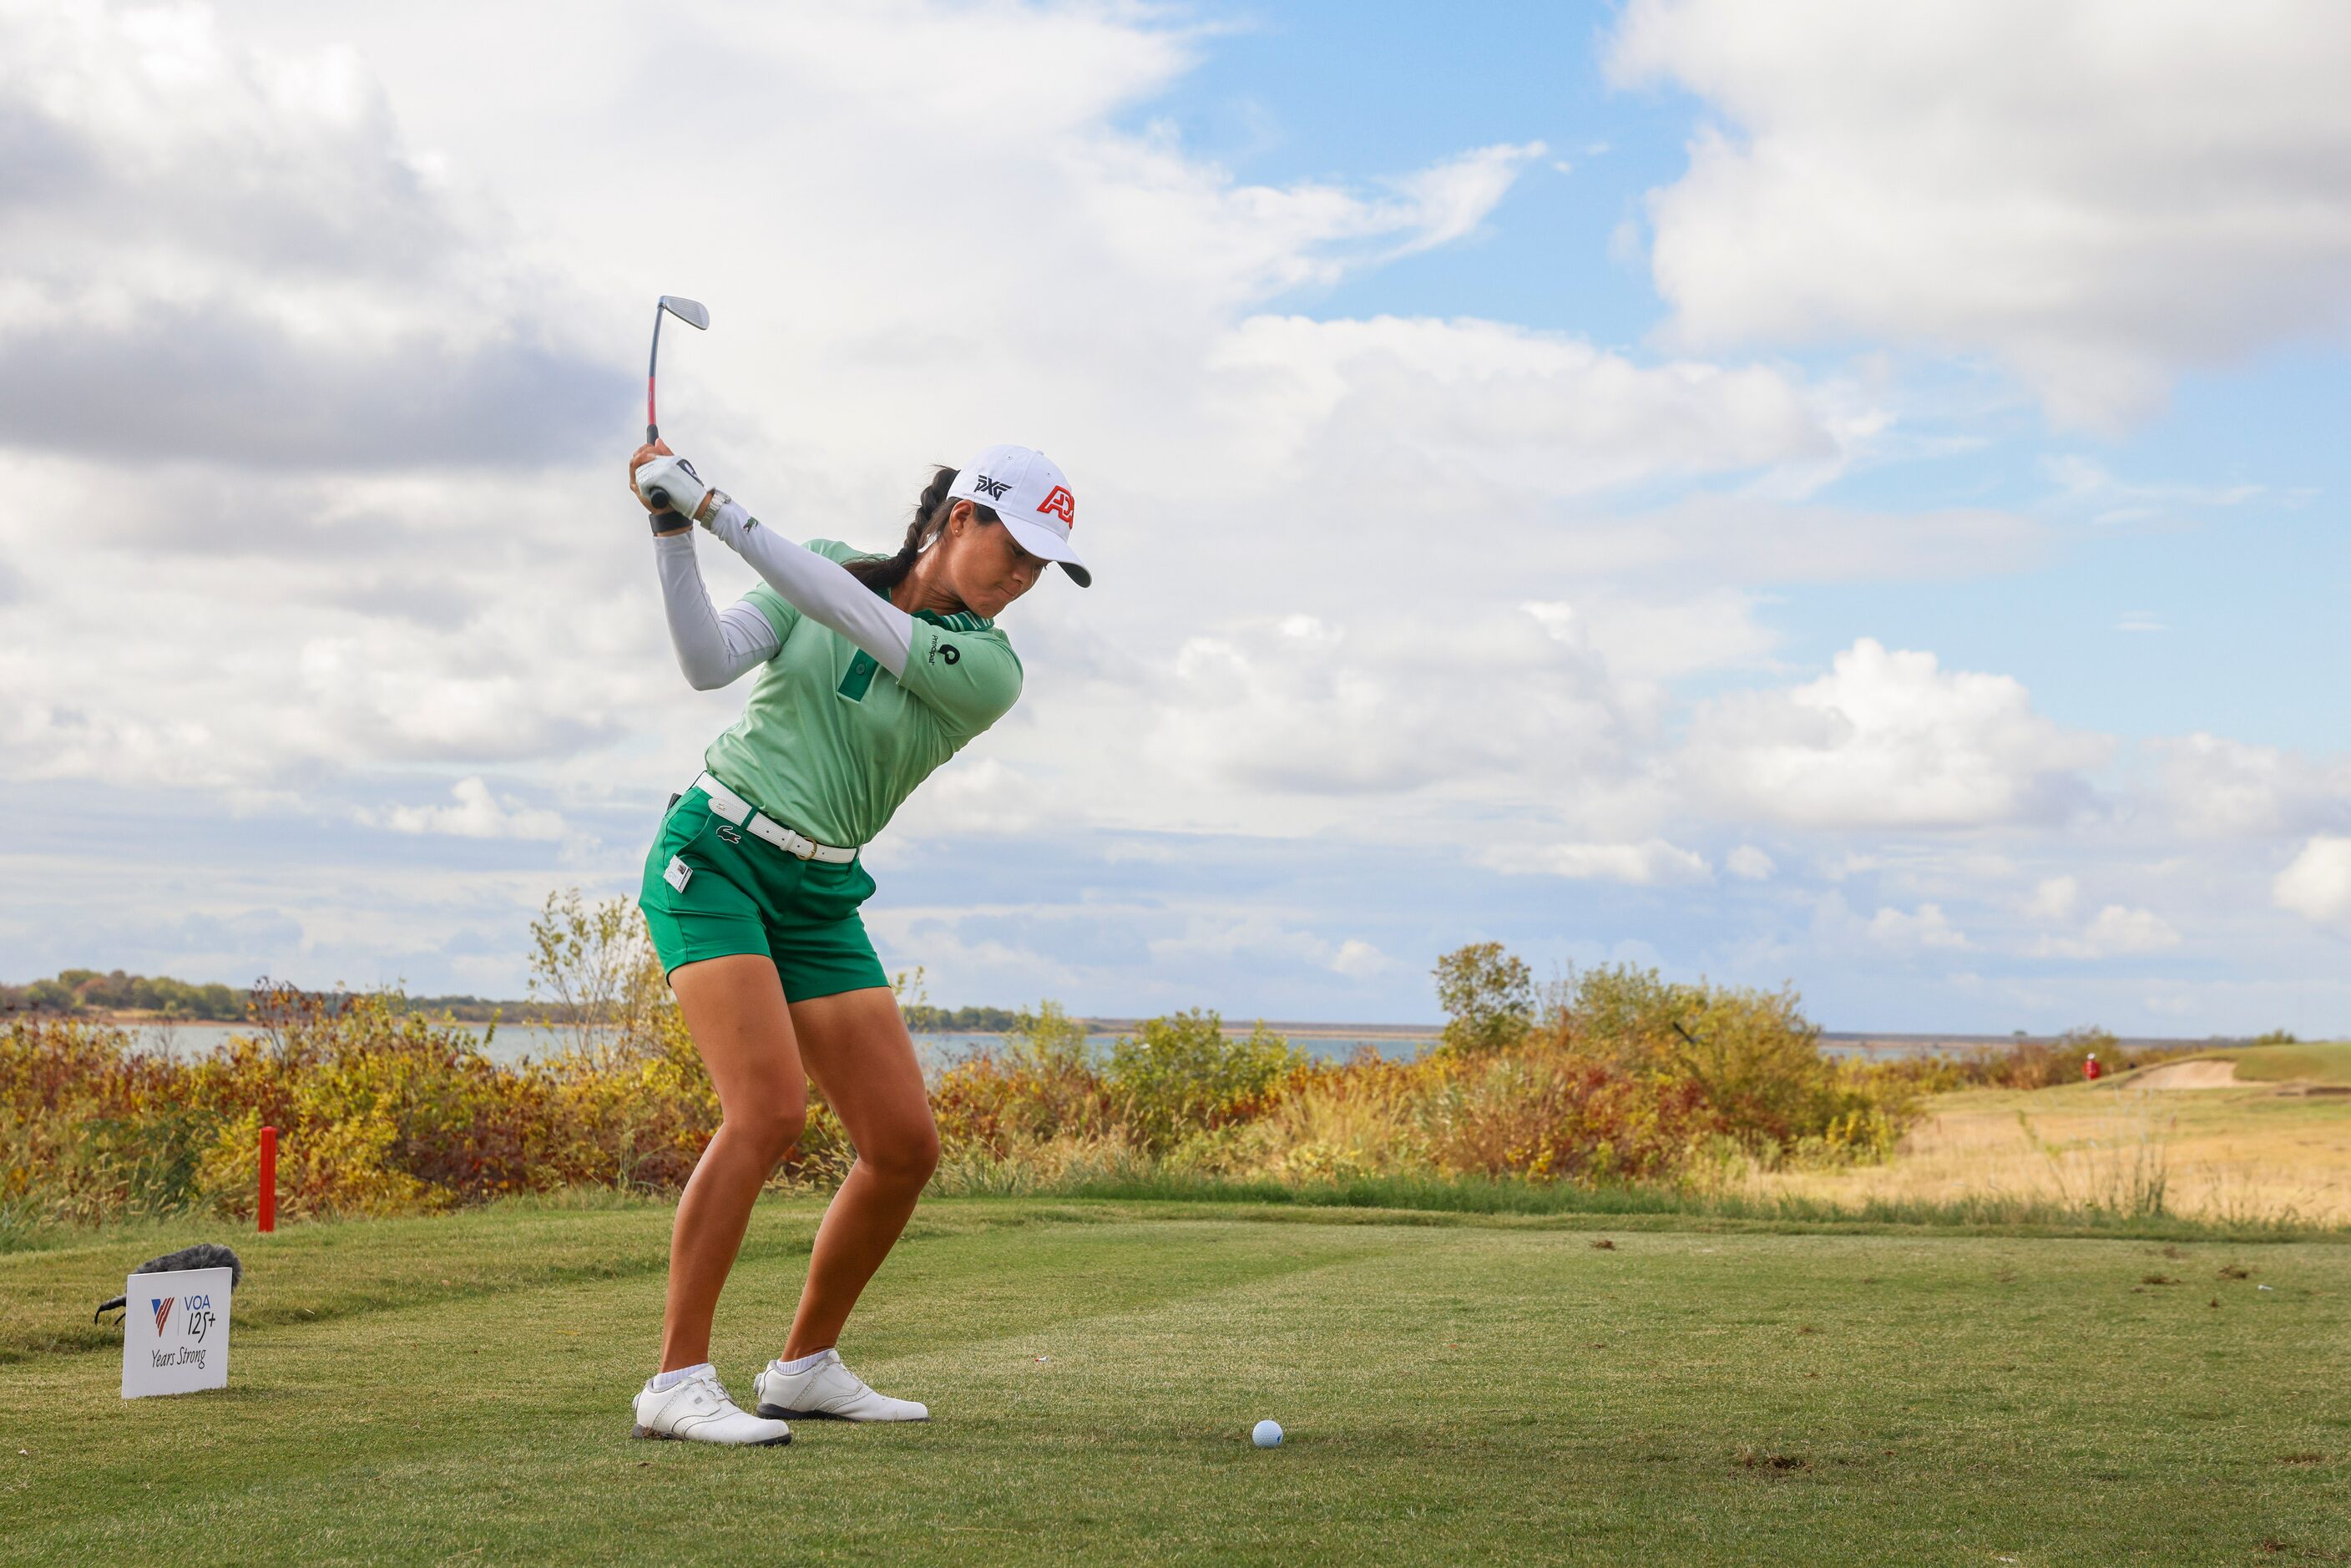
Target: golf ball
x=1265 y=1433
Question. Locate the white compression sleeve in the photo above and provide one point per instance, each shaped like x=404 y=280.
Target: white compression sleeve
x=818 y=589
x=712 y=648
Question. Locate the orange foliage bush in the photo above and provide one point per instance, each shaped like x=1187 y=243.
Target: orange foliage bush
x=379 y=1112
x=1620 y=1077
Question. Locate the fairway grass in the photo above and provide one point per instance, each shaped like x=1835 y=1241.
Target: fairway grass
x=1454 y=1388
x=2318 y=1062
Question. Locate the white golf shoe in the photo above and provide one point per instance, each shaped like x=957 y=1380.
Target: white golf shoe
x=698 y=1410
x=827 y=1392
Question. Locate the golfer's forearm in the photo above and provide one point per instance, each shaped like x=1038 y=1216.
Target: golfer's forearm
x=822 y=589
x=712 y=649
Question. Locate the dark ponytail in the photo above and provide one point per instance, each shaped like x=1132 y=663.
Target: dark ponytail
x=886 y=572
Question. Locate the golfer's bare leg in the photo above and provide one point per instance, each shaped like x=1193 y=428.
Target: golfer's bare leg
x=857 y=1050
x=735 y=1008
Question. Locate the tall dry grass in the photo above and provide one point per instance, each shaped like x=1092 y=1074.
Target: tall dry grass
x=2241 y=1159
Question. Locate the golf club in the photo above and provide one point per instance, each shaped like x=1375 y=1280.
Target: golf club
x=695 y=315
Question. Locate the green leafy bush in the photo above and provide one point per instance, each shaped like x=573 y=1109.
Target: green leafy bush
x=1487 y=995
x=1181 y=1075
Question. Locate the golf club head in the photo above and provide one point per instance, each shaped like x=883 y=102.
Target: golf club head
x=693 y=312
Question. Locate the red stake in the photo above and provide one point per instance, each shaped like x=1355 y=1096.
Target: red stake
x=268 y=1180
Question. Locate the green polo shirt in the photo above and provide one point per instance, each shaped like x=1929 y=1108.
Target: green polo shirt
x=830 y=743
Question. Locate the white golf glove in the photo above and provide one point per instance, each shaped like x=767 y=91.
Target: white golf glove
x=675 y=477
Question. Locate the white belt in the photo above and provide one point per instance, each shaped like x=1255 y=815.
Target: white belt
x=739 y=812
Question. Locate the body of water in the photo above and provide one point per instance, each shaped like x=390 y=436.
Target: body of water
x=1333 y=1042
x=522 y=1041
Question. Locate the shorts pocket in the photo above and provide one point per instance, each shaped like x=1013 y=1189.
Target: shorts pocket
x=824 y=894
x=678 y=844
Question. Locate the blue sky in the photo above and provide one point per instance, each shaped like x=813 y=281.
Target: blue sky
x=1310 y=91
x=1796 y=498
x=1327 y=92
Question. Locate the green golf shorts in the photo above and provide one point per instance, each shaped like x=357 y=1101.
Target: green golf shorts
x=743 y=894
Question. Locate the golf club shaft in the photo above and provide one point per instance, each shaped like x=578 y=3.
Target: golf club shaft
x=658 y=497
x=652 y=363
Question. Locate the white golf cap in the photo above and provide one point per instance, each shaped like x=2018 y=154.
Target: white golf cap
x=1030 y=494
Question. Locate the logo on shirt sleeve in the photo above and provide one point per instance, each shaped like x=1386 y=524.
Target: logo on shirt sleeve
x=944 y=650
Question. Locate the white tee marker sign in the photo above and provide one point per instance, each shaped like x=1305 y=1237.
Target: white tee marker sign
x=175 y=1332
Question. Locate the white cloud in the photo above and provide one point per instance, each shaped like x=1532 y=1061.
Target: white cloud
x=2213 y=785
x=2119 y=930
x=1752 y=539
x=478 y=814
x=2054 y=898
x=1652 y=864
x=1450 y=200
x=1302 y=704
x=2101 y=193
x=382 y=200
x=1891 y=739
x=1260 y=936
x=218 y=251
x=1749 y=863
x=2317 y=884
x=1924 y=928
x=1643 y=638
x=2113 y=932
x=1426 y=420
x=975 y=796
x=2110 y=501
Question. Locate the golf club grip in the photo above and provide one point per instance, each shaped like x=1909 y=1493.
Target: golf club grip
x=659 y=498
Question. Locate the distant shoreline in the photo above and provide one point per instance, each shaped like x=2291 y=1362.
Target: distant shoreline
x=534 y=1013
x=1861 y=1040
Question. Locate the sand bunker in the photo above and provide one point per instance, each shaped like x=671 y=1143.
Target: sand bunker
x=2189 y=1075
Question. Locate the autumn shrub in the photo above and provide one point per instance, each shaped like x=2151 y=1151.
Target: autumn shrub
x=1749 y=1058
x=1180 y=1077
x=1549 y=1114
x=90 y=1130
x=379 y=1112
x=1336 y=1124
x=1171 y=1093
x=1039 y=1088
x=1614 y=1076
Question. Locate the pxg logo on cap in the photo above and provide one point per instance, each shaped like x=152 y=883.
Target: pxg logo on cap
x=1033 y=498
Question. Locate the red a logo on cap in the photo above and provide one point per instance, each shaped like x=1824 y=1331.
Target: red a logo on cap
x=1062 y=504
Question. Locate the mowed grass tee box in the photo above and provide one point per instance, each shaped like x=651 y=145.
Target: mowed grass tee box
x=1451 y=1389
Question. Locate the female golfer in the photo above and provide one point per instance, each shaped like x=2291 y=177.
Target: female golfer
x=874 y=670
